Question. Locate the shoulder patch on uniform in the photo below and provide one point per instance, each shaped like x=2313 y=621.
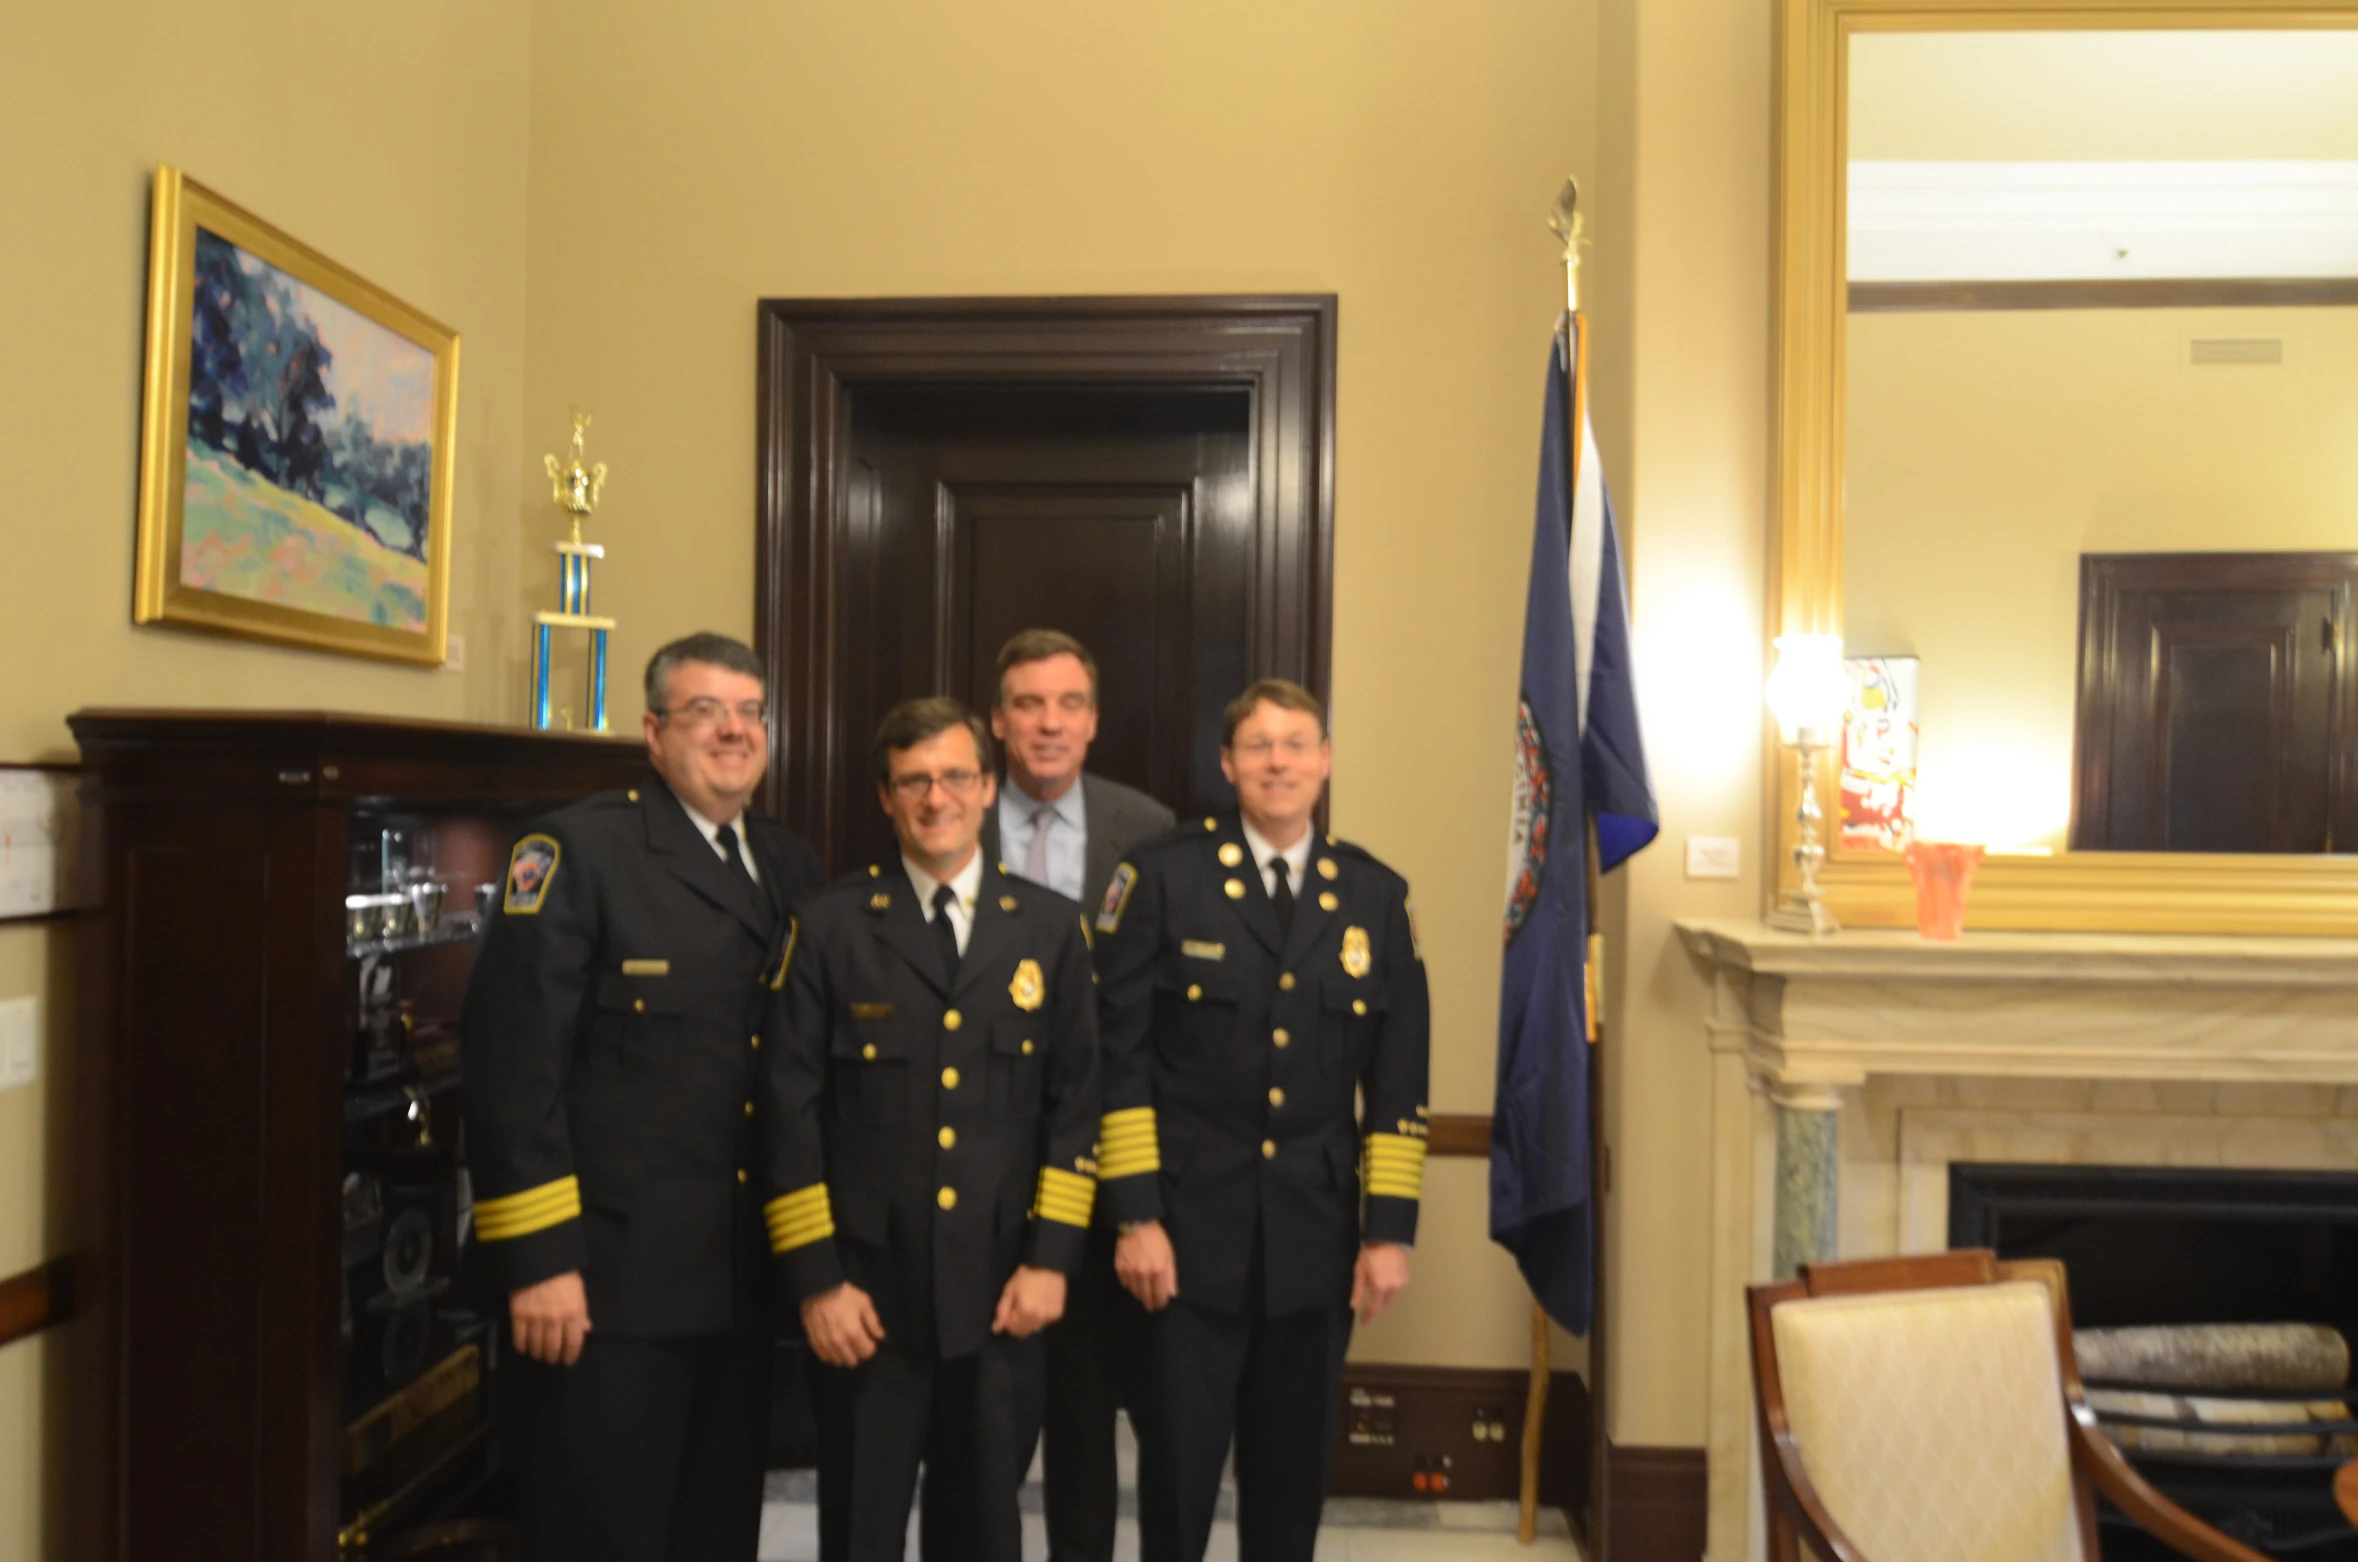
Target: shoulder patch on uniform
x=531 y=867
x=1117 y=898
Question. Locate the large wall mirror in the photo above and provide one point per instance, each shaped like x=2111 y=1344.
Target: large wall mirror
x=2068 y=413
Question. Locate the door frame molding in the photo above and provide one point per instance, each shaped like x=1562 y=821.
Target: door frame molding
x=811 y=352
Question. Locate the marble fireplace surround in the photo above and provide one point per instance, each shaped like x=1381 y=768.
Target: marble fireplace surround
x=1848 y=1072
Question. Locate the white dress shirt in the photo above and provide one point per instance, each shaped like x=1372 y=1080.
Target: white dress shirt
x=964 y=887
x=711 y=833
x=1297 y=857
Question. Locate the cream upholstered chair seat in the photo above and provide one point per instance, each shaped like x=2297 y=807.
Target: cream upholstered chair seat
x=1932 y=1422
x=1928 y=1410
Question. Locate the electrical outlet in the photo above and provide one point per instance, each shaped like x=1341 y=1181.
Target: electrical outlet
x=1714 y=857
x=454 y=653
x=19 y=1025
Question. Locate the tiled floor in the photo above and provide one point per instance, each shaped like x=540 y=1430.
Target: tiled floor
x=1356 y=1529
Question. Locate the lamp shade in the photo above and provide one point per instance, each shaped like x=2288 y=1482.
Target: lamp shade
x=1810 y=687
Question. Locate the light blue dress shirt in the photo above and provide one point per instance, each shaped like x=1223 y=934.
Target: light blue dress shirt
x=1068 y=836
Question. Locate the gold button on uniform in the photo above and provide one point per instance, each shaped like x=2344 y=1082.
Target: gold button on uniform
x=1359 y=1006
x=756 y=1043
x=948 y=1138
x=952 y=1020
x=869 y=1052
x=1285 y=983
x=1276 y=1096
x=949 y=1079
x=639 y=1004
x=1235 y=889
x=748 y=1109
x=1327 y=901
x=947 y=1198
x=740 y=1174
x=1194 y=993
x=1281 y=1036
x=1269 y=1149
x=1027 y=1047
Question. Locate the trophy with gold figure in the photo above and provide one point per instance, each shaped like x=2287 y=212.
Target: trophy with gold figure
x=575 y=487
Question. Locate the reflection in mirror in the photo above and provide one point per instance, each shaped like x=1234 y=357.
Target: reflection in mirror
x=2104 y=301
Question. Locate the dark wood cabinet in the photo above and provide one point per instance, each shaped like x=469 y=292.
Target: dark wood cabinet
x=266 y=1130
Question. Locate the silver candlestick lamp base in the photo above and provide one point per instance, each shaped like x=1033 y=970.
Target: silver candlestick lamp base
x=1802 y=909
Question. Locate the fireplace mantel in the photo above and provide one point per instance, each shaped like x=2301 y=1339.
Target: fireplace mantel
x=2105 y=1032
x=1829 y=1012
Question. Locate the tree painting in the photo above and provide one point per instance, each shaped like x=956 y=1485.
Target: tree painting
x=310 y=462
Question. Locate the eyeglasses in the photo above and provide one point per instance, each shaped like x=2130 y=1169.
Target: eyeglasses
x=711 y=713
x=958 y=783
x=1291 y=748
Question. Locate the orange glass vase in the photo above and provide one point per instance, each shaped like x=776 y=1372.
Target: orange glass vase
x=1943 y=871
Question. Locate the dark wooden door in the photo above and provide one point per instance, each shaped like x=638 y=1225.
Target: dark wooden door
x=1149 y=476
x=2218 y=712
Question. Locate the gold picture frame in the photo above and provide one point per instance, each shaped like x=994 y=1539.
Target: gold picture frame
x=2137 y=892
x=296 y=442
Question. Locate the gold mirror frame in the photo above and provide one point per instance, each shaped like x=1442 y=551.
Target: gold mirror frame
x=2148 y=892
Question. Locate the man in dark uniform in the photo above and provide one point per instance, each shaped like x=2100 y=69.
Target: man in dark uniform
x=611 y=1042
x=1259 y=983
x=1058 y=825
x=930 y=1113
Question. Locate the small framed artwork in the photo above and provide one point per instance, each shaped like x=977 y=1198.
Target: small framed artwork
x=295 y=443
x=39 y=831
x=1878 y=781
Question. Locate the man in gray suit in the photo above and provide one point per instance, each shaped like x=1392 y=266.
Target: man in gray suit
x=1068 y=830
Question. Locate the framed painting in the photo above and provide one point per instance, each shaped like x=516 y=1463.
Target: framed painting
x=1879 y=733
x=295 y=444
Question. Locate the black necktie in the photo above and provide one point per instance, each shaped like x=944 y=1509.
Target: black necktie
x=727 y=836
x=1284 y=896
x=943 y=933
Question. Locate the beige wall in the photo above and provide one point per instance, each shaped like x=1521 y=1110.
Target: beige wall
x=2099 y=96
x=397 y=149
x=1986 y=452
x=686 y=162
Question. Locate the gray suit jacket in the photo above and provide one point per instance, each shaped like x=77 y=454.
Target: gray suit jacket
x=1119 y=817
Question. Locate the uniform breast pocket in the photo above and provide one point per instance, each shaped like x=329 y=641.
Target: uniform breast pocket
x=868 y=1071
x=637 y=1023
x=1195 y=1012
x=1018 y=1053
x=1350 y=1009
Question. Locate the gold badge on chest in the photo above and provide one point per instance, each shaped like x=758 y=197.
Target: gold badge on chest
x=1029 y=987
x=1357 y=961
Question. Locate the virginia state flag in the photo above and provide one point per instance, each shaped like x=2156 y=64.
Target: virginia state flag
x=1578 y=755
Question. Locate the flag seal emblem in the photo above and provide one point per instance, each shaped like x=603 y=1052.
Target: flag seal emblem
x=531 y=866
x=1028 y=988
x=1527 y=840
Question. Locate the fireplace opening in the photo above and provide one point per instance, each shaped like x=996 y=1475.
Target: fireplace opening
x=2148 y=1246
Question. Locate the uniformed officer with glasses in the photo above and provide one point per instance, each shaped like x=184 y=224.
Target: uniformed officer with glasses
x=930 y=1110
x=612 y=1035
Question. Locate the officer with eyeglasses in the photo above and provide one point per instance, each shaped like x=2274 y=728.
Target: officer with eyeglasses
x=930 y=1111
x=611 y=1039
x=1265 y=1029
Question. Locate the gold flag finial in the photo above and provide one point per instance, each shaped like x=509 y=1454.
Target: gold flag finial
x=574 y=486
x=1566 y=222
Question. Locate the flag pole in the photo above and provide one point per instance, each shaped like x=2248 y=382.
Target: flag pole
x=1565 y=222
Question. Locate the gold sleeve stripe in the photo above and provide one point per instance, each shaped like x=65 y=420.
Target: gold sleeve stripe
x=1127 y=1145
x=1395 y=1166
x=799 y=1218
x=1064 y=1197
x=513 y=1215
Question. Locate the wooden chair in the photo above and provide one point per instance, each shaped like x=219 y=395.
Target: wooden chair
x=1930 y=1410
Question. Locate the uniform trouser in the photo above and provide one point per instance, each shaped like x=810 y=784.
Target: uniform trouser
x=1271 y=1383
x=1094 y=1367
x=966 y=1420
x=646 y=1450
